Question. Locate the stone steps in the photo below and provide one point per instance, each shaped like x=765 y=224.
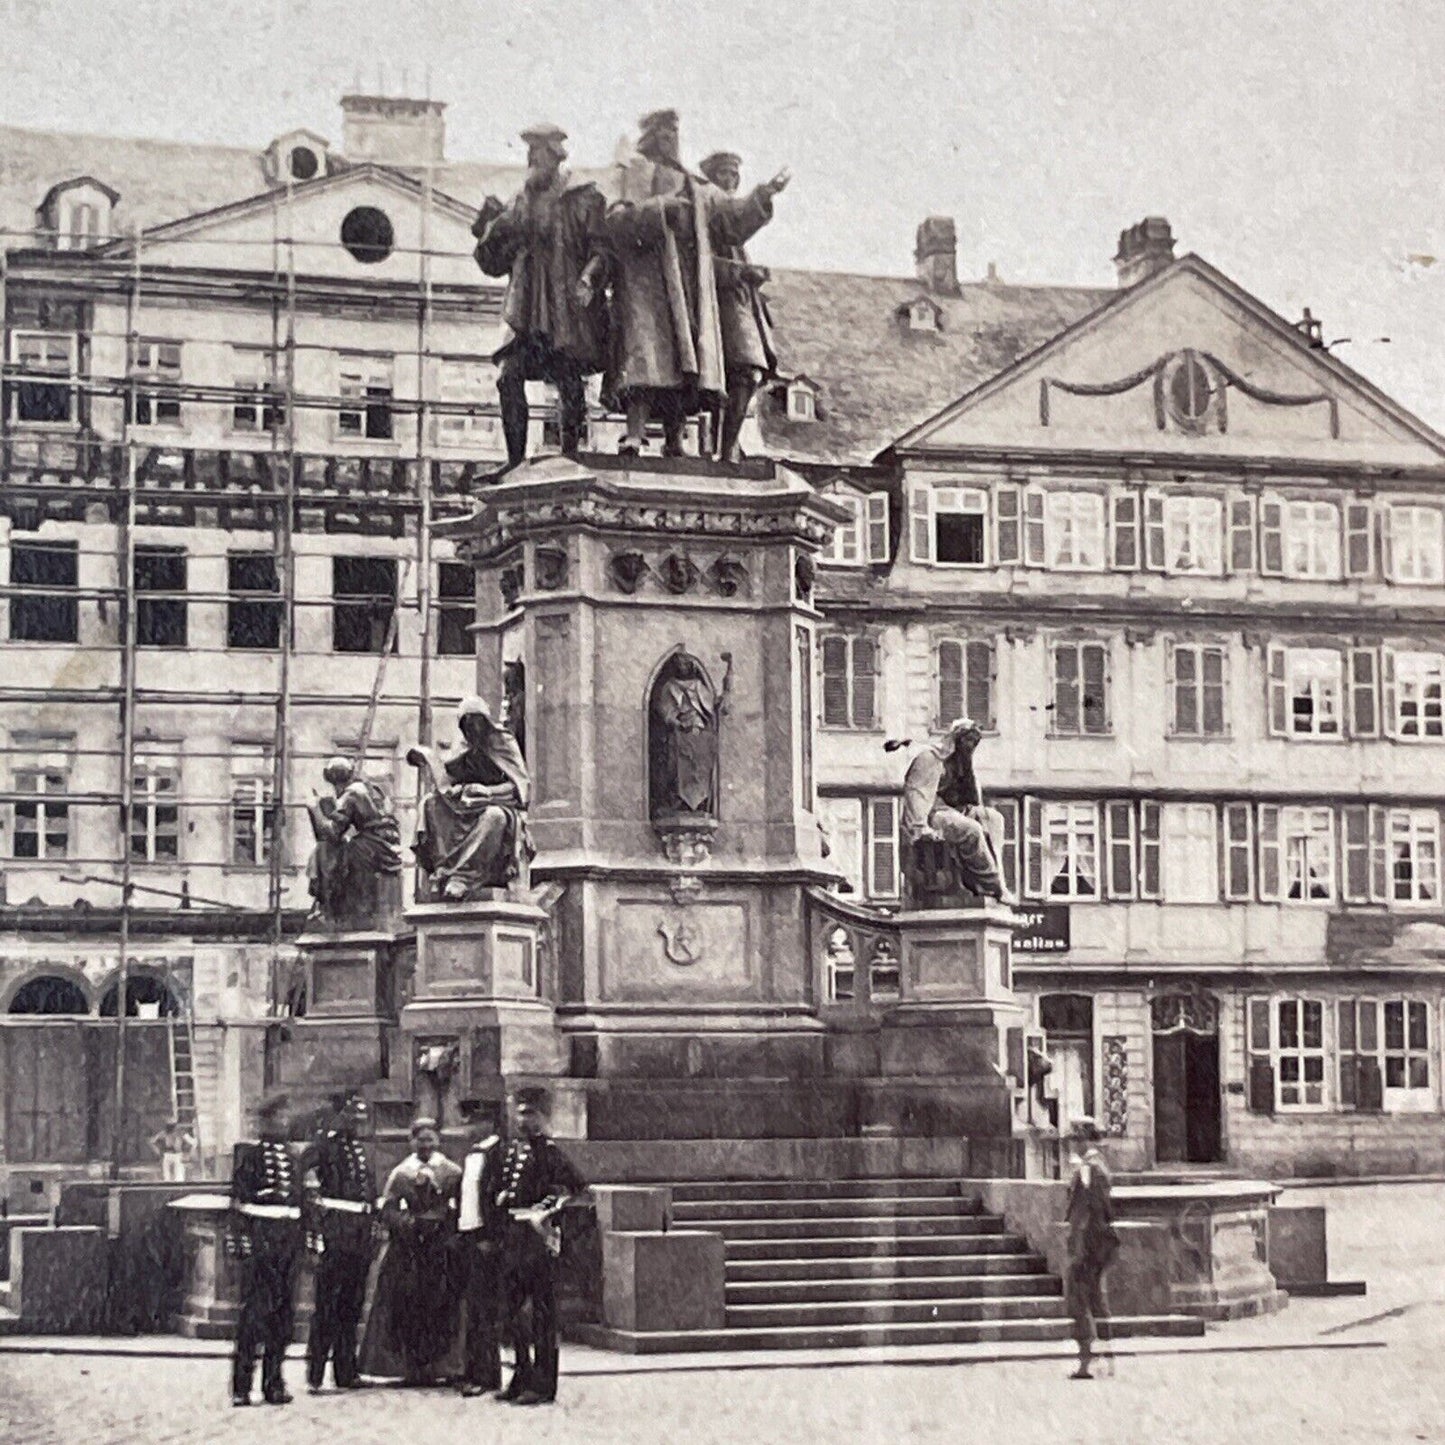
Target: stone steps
x=890 y=1288
x=841 y=1268
x=714 y=1212
x=874 y=1245
x=869 y=1226
x=944 y=1309
x=818 y=1189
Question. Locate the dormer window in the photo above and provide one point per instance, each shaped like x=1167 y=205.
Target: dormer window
x=77 y=214
x=922 y=314
x=800 y=399
x=296 y=157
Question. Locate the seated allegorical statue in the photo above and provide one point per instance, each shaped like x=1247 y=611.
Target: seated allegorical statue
x=354 y=873
x=953 y=842
x=473 y=833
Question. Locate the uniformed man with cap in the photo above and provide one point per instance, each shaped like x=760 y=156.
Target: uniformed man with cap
x=481 y=1228
x=665 y=348
x=547 y=244
x=537 y=1180
x=265 y=1235
x=341 y=1178
x=1092 y=1240
x=747 y=332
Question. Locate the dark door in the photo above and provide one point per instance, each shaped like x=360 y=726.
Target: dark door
x=1201 y=1071
x=44 y=1073
x=147 y=1088
x=1170 y=1099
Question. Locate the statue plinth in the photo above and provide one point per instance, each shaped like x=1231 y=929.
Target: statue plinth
x=478 y=1002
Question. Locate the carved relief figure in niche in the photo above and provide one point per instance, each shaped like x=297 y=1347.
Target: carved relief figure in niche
x=473 y=833
x=954 y=841
x=354 y=873
x=683 y=742
x=514 y=702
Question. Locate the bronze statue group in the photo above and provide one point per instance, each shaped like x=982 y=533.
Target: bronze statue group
x=647 y=284
x=420 y=1283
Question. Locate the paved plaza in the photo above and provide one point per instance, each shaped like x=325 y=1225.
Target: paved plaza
x=1345 y=1369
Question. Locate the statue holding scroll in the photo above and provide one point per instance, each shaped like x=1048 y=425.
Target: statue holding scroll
x=954 y=842
x=354 y=873
x=473 y=834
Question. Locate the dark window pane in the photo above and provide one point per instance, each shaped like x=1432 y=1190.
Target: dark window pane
x=368 y=584
x=958 y=537
x=47 y=618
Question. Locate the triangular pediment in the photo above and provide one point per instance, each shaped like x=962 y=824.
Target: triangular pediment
x=365 y=223
x=1184 y=364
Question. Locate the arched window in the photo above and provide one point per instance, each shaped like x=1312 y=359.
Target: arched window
x=146 y=997
x=50 y=995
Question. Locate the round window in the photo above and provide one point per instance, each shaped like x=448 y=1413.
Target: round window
x=367 y=234
x=1190 y=390
x=304 y=163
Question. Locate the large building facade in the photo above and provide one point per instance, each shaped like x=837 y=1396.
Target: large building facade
x=1184 y=566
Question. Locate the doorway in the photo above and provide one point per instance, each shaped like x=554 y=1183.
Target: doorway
x=1187 y=1111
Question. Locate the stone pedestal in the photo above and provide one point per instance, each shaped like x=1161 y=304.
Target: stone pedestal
x=351 y=975
x=479 y=1016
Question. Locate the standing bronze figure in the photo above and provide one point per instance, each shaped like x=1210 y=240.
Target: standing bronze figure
x=546 y=244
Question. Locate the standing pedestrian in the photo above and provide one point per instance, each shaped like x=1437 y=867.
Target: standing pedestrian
x=537 y=1181
x=1092 y=1242
x=264 y=1234
x=481 y=1226
x=343 y=1177
x=174 y=1146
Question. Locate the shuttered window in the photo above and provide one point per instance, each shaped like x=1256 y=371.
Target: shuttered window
x=1080 y=689
x=965 y=672
x=850 y=681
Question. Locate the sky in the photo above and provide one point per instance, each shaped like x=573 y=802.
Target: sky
x=1295 y=144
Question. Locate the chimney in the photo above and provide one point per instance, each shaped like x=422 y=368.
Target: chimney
x=936 y=255
x=1144 y=251
x=392 y=130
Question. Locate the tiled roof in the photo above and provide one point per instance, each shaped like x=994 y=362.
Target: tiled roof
x=878 y=378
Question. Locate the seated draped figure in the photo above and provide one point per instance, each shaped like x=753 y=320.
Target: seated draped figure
x=354 y=873
x=473 y=834
x=952 y=842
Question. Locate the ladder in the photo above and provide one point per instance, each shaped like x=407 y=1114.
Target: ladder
x=182 y=1039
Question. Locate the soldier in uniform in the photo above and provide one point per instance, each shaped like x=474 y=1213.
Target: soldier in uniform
x=265 y=1235
x=481 y=1226
x=1092 y=1241
x=537 y=1179
x=342 y=1177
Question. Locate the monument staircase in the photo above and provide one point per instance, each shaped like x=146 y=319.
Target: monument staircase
x=814 y=1264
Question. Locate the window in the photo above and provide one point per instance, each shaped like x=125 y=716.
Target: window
x=965 y=673
x=802 y=403
x=160 y=616
x=79 y=226
x=1071 y=850
x=1080 y=689
x=1296 y=853
x=880 y=847
x=456 y=609
x=949 y=525
x=1194 y=535
x=367 y=234
x=1074 y=530
x=44 y=391
x=1238 y=852
x=841 y=820
x=50 y=612
x=923 y=315
x=364 y=592
x=155 y=821
x=1306 y=692
x=1418 y=681
x=1299 y=1053
x=1191 y=853
x=1412 y=837
x=850 y=681
x=253 y=621
x=302 y=162
x=42 y=783
x=1407 y=1045
x=252 y=816
x=1196 y=690
x=155 y=368
x=366 y=388
x=865 y=537
x=1416 y=548
x=467 y=391
x=1310 y=533
x=259 y=405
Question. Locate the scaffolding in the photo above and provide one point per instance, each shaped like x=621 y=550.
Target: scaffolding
x=135 y=480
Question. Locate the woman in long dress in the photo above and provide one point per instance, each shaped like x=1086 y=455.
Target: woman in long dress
x=411 y=1329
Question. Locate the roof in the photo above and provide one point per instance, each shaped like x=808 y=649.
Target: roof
x=878 y=378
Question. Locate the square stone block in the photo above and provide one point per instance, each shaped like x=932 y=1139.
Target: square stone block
x=58 y=1279
x=1298 y=1254
x=655 y=1281
x=629 y=1209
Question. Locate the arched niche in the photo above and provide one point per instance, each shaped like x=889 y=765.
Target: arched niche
x=147 y=995
x=49 y=995
x=682 y=742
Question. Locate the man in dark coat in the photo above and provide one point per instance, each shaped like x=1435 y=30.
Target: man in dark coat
x=537 y=1179
x=666 y=344
x=546 y=244
x=264 y=1234
x=747 y=331
x=1092 y=1243
x=342 y=1178
x=481 y=1228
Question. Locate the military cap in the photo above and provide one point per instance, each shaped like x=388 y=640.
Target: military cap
x=271 y=1104
x=717 y=161
x=1083 y=1127
x=535 y=1095
x=544 y=133
x=425 y=1121
x=658 y=120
